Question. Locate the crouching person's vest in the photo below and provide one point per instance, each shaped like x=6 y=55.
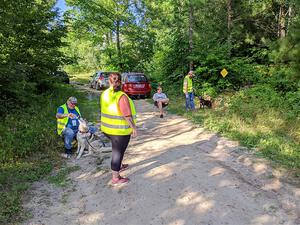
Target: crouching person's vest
x=112 y=121
x=62 y=123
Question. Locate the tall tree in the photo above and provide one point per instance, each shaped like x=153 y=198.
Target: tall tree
x=30 y=39
x=119 y=23
x=191 y=32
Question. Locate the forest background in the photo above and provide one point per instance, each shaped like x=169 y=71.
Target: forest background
x=256 y=41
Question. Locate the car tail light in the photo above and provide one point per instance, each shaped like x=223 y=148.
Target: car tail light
x=128 y=85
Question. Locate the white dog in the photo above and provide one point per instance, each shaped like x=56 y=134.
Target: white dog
x=88 y=141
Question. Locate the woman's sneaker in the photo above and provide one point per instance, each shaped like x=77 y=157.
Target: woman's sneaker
x=120 y=180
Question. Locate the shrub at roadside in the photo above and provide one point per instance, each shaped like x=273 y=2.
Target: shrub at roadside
x=258 y=117
x=30 y=147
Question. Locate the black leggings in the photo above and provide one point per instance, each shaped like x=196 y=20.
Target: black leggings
x=119 y=144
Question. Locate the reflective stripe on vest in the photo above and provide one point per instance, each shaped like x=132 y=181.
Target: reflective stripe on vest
x=62 y=123
x=116 y=117
x=112 y=121
x=189 y=84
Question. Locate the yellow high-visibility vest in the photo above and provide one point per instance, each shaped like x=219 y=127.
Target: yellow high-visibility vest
x=189 y=84
x=62 y=123
x=112 y=121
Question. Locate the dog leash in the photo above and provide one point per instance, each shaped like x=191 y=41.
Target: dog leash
x=92 y=146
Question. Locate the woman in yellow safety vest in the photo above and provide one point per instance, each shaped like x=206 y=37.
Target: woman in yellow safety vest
x=118 y=123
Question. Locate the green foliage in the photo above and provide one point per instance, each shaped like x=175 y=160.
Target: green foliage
x=28 y=131
x=257 y=103
x=120 y=42
x=15 y=179
x=29 y=147
x=30 y=37
x=250 y=102
x=286 y=50
x=258 y=117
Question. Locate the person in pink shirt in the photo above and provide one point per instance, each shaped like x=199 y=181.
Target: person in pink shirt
x=118 y=123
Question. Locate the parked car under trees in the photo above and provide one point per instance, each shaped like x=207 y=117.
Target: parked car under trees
x=99 y=80
x=136 y=85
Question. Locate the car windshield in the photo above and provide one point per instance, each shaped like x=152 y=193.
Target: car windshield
x=136 y=78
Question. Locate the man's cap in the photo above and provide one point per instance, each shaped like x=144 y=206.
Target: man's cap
x=72 y=100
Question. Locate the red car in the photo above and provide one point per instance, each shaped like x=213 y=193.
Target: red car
x=136 y=85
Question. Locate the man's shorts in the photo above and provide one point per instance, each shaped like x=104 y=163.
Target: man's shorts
x=163 y=104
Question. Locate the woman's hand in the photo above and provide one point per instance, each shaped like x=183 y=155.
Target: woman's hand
x=134 y=132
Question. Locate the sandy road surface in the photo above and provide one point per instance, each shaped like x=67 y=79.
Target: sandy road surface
x=180 y=175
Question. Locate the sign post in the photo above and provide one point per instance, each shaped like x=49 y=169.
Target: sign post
x=224 y=72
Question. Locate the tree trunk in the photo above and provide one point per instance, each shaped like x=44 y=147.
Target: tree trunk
x=290 y=14
x=229 y=16
x=229 y=23
x=191 y=34
x=108 y=43
x=119 y=44
x=281 y=32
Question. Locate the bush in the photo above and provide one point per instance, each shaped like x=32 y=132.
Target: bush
x=241 y=72
x=30 y=130
x=29 y=146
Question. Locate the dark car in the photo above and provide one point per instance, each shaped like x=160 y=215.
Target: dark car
x=62 y=76
x=136 y=85
x=99 y=80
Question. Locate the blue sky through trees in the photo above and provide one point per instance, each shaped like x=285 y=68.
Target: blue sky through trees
x=61 y=4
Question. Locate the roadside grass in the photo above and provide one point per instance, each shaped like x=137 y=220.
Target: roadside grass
x=30 y=148
x=15 y=179
x=271 y=132
x=90 y=108
x=60 y=178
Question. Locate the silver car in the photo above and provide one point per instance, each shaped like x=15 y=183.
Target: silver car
x=99 y=80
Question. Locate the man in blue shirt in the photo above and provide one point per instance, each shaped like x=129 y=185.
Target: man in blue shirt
x=67 y=117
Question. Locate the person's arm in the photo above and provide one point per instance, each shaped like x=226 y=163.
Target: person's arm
x=124 y=106
x=132 y=125
x=60 y=114
x=165 y=97
x=155 y=97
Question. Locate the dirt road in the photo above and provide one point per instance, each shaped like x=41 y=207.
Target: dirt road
x=180 y=175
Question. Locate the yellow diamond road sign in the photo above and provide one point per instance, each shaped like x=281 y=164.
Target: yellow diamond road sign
x=224 y=72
